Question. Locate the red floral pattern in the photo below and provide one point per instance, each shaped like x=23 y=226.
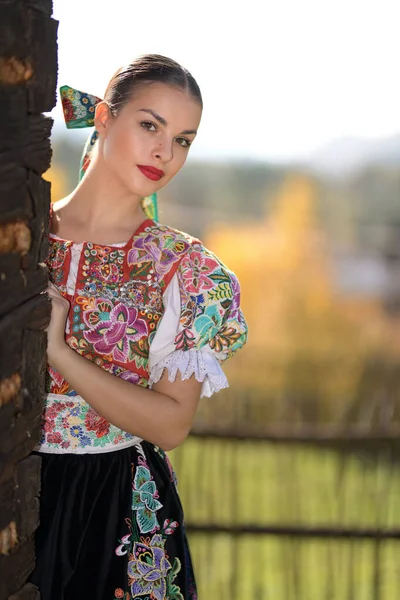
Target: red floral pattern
x=94 y=422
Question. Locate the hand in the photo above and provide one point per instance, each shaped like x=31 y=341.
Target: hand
x=56 y=329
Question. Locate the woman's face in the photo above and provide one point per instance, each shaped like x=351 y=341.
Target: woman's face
x=147 y=143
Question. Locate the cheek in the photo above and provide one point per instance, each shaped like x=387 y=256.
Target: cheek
x=180 y=156
x=128 y=146
x=122 y=147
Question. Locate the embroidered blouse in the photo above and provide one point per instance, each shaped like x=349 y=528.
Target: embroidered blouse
x=162 y=301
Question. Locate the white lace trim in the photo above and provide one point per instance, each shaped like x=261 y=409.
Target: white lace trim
x=199 y=363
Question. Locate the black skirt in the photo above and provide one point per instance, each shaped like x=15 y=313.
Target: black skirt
x=111 y=526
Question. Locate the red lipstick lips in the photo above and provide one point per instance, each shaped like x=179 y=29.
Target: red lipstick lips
x=151 y=172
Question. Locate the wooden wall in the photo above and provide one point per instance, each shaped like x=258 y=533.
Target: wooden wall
x=28 y=75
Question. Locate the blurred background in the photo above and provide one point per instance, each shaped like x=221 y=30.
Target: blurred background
x=291 y=477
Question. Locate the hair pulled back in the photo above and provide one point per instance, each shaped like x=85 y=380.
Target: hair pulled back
x=147 y=69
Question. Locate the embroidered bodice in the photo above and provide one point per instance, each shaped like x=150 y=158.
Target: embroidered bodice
x=159 y=302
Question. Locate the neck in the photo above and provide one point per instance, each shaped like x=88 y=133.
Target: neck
x=103 y=201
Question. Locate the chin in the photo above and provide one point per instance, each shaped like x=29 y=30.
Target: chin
x=151 y=190
x=140 y=190
x=145 y=190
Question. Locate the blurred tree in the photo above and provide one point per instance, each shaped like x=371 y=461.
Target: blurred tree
x=306 y=340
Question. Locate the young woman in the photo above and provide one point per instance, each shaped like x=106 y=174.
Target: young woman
x=142 y=317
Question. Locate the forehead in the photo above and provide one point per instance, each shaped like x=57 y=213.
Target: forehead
x=174 y=105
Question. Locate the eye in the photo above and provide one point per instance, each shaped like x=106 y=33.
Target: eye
x=148 y=125
x=184 y=142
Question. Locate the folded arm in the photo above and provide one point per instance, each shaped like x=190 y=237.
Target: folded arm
x=162 y=415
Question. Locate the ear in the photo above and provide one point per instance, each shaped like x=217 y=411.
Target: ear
x=102 y=117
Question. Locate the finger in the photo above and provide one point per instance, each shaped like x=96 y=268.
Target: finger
x=54 y=291
x=54 y=296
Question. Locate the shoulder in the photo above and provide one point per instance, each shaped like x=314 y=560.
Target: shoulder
x=170 y=233
x=199 y=269
x=193 y=249
x=209 y=296
x=161 y=248
x=164 y=237
x=205 y=279
x=210 y=304
x=174 y=245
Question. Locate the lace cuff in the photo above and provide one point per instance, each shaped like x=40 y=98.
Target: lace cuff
x=202 y=364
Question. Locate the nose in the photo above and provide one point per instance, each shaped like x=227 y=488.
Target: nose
x=163 y=149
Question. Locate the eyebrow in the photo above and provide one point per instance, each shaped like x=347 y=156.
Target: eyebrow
x=163 y=121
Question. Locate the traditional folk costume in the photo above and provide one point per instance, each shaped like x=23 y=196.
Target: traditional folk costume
x=112 y=524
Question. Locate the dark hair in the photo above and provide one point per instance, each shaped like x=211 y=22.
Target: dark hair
x=150 y=68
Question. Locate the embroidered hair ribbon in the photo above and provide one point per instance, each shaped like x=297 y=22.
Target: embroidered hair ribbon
x=79 y=109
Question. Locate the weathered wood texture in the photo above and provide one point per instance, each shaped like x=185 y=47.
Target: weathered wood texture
x=28 y=75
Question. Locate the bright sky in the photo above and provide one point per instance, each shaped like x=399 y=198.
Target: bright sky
x=279 y=79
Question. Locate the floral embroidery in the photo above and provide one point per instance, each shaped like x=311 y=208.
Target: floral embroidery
x=74 y=425
x=234 y=309
x=195 y=271
x=54 y=438
x=103 y=264
x=94 y=422
x=185 y=340
x=151 y=572
x=68 y=109
x=124 y=546
x=113 y=328
x=208 y=324
x=188 y=313
x=170 y=526
x=78 y=107
x=143 y=296
x=173 y=591
x=59 y=260
x=117 y=307
x=160 y=251
x=127 y=375
x=144 y=500
x=225 y=337
x=148 y=568
x=210 y=305
x=109 y=272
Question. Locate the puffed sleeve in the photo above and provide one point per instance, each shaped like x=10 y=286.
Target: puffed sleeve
x=203 y=324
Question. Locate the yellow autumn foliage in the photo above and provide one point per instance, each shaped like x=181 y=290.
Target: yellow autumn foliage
x=303 y=333
x=58 y=180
